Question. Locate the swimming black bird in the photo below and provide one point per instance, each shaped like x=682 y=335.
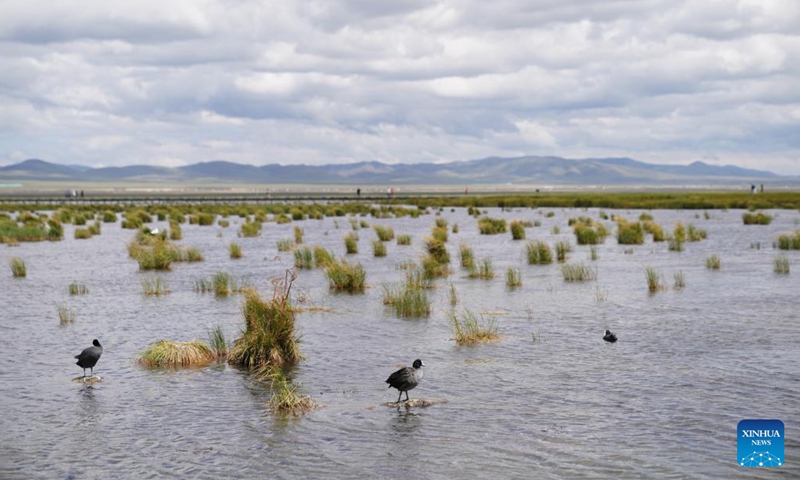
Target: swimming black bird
x=609 y=337
x=89 y=357
x=406 y=378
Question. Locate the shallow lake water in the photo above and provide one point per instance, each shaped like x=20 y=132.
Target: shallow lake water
x=550 y=399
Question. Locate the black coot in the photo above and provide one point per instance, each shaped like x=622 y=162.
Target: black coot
x=406 y=378
x=89 y=357
x=609 y=337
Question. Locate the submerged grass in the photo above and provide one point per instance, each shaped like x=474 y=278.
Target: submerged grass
x=65 y=315
x=470 y=331
x=76 y=288
x=780 y=265
x=285 y=400
x=170 y=354
x=155 y=286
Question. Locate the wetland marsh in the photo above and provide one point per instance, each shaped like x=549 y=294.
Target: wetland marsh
x=547 y=399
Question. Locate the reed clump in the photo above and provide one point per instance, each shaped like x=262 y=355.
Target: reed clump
x=404 y=239
x=588 y=231
x=285 y=400
x=466 y=256
x=578 y=273
x=346 y=277
x=517 y=230
x=378 y=248
x=654 y=229
x=304 y=257
x=756 y=218
x=695 y=234
x=235 y=250
x=781 y=264
x=513 y=278
x=679 y=280
x=155 y=286
x=483 y=270
x=298 y=235
x=322 y=256
x=18 y=268
x=269 y=335
x=469 y=330
x=285 y=244
x=655 y=281
x=538 y=253
x=789 y=241
x=713 y=262
x=170 y=354
x=437 y=250
x=65 y=315
x=82 y=234
x=351 y=243
x=217 y=342
x=251 y=229
x=385 y=234
x=440 y=234
x=629 y=233
x=76 y=288
x=492 y=226
x=562 y=248
x=407 y=300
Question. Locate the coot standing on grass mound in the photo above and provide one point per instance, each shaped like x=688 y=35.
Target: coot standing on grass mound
x=89 y=357
x=609 y=337
x=406 y=378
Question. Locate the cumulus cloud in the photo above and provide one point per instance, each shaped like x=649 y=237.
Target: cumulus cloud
x=171 y=83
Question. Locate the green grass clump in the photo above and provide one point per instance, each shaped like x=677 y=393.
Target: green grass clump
x=757 y=218
x=453 y=295
x=269 y=333
x=416 y=278
x=351 y=243
x=18 y=269
x=298 y=235
x=285 y=401
x=437 y=250
x=385 y=234
x=346 y=277
x=654 y=229
x=441 y=222
x=251 y=229
x=713 y=262
x=304 y=257
x=484 y=270
x=155 y=286
x=224 y=223
x=109 y=216
x=629 y=233
x=76 y=288
x=190 y=254
x=235 y=250
x=588 y=231
x=789 y=241
x=513 y=278
x=470 y=331
x=593 y=253
x=95 y=228
x=466 y=256
x=781 y=264
x=679 y=280
x=434 y=269
x=655 y=281
x=562 y=248
x=82 y=233
x=404 y=239
x=538 y=253
x=285 y=244
x=439 y=233
x=175 y=232
x=578 y=273
x=407 y=301
x=65 y=315
x=217 y=342
x=169 y=354
x=378 y=248
x=205 y=219
x=491 y=226
x=695 y=234
x=322 y=256
x=517 y=230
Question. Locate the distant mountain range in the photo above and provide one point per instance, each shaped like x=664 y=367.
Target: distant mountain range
x=528 y=170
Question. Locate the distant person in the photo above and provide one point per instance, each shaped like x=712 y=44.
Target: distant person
x=752 y=189
x=466 y=190
x=762 y=188
x=358 y=192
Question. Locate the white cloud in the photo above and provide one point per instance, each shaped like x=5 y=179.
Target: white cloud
x=172 y=83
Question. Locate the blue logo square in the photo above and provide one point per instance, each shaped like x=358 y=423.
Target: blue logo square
x=760 y=443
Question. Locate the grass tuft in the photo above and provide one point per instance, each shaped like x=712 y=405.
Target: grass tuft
x=76 y=288
x=155 y=286
x=713 y=262
x=781 y=265
x=65 y=315
x=304 y=257
x=517 y=230
x=466 y=256
x=470 y=331
x=378 y=248
x=235 y=250
x=538 y=253
x=285 y=401
x=346 y=277
x=491 y=226
x=578 y=273
x=484 y=270
x=655 y=281
x=404 y=239
x=169 y=354
x=757 y=218
x=513 y=278
x=18 y=269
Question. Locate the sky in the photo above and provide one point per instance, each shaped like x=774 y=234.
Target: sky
x=170 y=83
